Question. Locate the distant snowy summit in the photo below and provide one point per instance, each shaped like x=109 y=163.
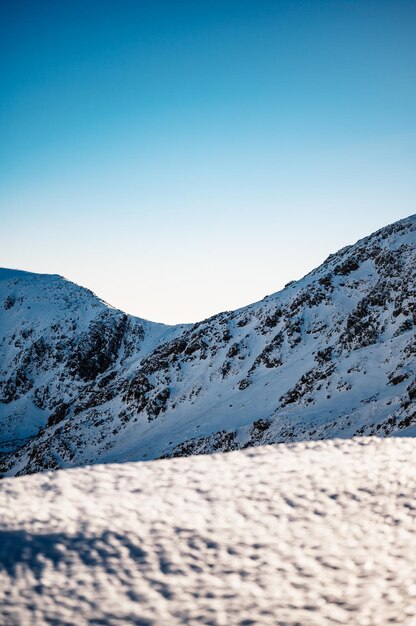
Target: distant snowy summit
x=331 y=355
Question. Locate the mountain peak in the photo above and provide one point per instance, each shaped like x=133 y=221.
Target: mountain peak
x=15 y=274
x=333 y=354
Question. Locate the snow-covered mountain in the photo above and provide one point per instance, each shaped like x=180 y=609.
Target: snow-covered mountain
x=331 y=355
x=314 y=533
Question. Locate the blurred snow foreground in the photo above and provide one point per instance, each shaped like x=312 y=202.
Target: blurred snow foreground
x=307 y=533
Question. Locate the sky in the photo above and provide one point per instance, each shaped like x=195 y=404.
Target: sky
x=183 y=158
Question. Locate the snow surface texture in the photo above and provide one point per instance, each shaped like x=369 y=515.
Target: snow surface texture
x=332 y=355
x=312 y=533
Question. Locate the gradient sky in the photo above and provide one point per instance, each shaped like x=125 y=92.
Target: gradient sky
x=182 y=158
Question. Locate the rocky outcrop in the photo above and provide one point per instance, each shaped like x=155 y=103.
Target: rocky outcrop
x=98 y=347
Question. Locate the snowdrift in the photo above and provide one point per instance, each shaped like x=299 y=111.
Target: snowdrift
x=309 y=533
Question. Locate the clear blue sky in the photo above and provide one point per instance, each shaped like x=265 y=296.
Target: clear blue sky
x=181 y=158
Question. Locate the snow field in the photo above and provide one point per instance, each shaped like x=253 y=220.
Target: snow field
x=310 y=533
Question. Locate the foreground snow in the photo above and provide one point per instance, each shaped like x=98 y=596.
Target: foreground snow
x=311 y=533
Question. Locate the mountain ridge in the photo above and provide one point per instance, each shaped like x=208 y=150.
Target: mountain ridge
x=329 y=355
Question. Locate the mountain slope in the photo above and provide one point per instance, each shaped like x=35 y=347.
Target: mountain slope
x=332 y=355
x=312 y=533
x=56 y=339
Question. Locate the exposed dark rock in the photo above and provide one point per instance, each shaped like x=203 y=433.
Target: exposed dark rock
x=411 y=390
x=136 y=395
x=41 y=397
x=257 y=431
x=157 y=404
x=397 y=378
x=349 y=265
x=98 y=348
x=233 y=351
x=323 y=356
x=61 y=411
x=362 y=328
x=16 y=386
x=326 y=281
x=271 y=355
x=222 y=441
x=306 y=384
x=9 y=302
x=272 y=320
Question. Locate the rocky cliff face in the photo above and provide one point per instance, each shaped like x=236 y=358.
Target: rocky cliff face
x=331 y=355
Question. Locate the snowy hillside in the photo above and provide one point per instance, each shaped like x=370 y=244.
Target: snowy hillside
x=314 y=533
x=332 y=355
x=57 y=337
